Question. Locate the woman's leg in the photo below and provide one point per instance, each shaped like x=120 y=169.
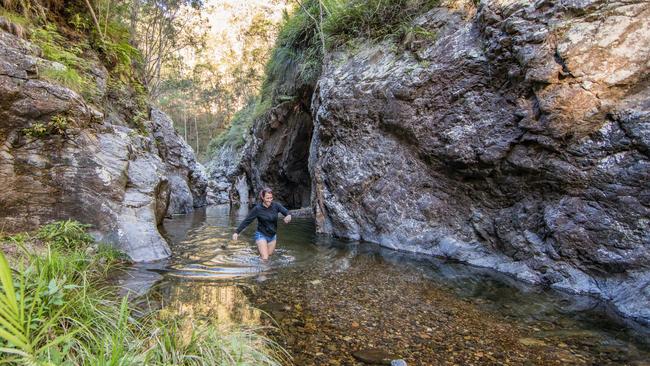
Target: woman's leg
x=262 y=247
x=271 y=246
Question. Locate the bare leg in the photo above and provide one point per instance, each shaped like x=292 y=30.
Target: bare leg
x=261 y=246
x=271 y=247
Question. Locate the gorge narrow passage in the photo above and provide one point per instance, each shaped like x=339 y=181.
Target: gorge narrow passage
x=331 y=300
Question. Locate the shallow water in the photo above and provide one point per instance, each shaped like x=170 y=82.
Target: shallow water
x=332 y=298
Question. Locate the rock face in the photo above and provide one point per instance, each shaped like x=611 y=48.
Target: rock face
x=95 y=169
x=187 y=178
x=518 y=139
x=278 y=154
x=224 y=171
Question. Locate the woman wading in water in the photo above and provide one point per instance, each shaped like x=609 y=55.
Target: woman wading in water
x=267 y=223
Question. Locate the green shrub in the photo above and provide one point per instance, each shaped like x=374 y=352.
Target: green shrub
x=70 y=78
x=239 y=126
x=118 y=51
x=37 y=130
x=296 y=59
x=14 y=17
x=57 y=125
x=370 y=19
x=54 y=48
x=32 y=309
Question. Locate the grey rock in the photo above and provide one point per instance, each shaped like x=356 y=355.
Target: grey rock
x=98 y=171
x=535 y=172
x=223 y=169
x=302 y=212
x=187 y=178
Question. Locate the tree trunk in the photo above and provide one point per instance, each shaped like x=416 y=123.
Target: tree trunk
x=196 y=130
x=92 y=13
x=185 y=127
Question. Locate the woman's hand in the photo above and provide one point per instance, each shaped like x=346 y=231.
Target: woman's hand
x=287 y=219
x=235 y=236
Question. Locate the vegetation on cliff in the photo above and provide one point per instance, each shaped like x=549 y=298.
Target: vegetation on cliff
x=78 y=53
x=315 y=28
x=57 y=308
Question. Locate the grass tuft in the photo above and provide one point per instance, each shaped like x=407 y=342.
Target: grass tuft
x=68 y=235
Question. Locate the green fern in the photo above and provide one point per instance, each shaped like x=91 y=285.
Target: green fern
x=29 y=312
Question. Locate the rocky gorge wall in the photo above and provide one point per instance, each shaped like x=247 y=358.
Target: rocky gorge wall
x=276 y=154
x=513 y=135
x=517 y=140
x=91 y=165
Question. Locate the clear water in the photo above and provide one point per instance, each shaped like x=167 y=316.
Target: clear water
x=212 y=276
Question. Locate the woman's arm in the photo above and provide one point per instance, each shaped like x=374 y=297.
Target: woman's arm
x=285 y=212
x=251 y=216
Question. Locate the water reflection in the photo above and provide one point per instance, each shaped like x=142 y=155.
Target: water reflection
x=224 y=304
x=209 y=277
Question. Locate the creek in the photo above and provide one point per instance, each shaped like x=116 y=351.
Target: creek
x=332 y=300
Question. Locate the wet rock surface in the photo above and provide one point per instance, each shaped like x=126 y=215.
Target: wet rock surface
x=223 y=170
x=516 y=140
x=96 y=169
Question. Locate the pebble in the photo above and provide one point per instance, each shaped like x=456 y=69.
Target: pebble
x=398 y=363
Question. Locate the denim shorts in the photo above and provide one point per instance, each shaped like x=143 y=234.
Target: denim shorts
x=260 y=236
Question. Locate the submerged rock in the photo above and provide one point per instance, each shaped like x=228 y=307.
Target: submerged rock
x=93 y=167
x=374 y=356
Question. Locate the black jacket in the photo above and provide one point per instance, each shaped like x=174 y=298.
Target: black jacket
x=267 y=218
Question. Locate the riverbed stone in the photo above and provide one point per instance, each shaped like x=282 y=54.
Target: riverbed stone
x=374 y=356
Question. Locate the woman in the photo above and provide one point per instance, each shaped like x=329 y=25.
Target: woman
x=267 y=223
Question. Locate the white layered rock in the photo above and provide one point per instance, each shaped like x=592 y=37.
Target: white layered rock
x=99 y=171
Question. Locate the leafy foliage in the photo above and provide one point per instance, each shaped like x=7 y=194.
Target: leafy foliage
x=68 y=235
x=57 y=125
x=69 y=78
x=72 y=66
x=234 y=136
x=370 y=19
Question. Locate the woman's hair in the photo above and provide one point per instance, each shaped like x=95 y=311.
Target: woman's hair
x=264 y=191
